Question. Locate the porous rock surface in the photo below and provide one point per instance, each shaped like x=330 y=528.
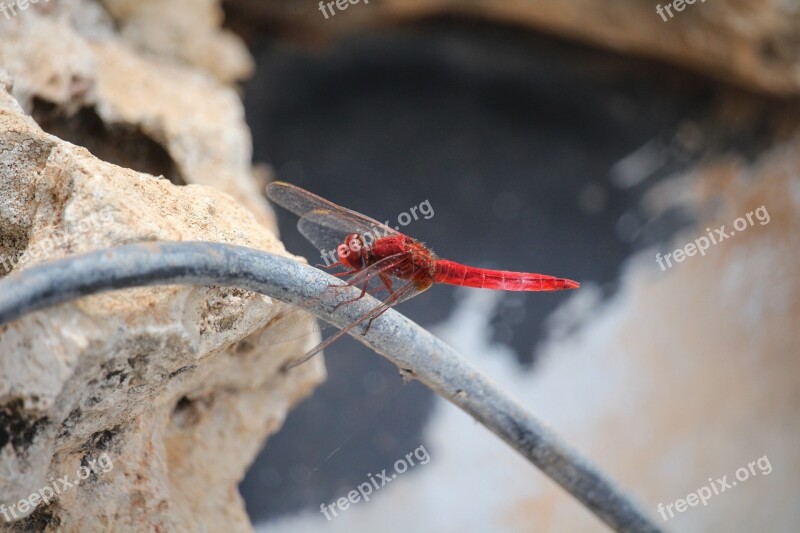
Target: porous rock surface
x=167 y=384
x=184 y=30
x=85 y=84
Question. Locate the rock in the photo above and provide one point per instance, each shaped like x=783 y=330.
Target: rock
x=150 y=402
x=750 y=43
x=192 y=124
x=185 y=30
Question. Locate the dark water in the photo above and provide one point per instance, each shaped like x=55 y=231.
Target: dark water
x=512 y=139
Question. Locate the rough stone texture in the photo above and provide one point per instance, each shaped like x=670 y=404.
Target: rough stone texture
x=186 y=30
x=169 y=382
x=754 y=43
x=64 y=70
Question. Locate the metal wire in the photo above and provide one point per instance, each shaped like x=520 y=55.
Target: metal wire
x=414 y=350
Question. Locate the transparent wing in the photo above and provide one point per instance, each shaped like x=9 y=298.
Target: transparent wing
x=301 y=202
x=326 y=225
x=326 y=231
x=336 y=221
x=409 y=290
x=324 y=238
x=290 y=325
x=321 y=220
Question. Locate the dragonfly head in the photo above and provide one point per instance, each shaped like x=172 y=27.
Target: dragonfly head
x=351 y=251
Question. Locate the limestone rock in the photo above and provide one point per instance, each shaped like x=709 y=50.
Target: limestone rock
x=751 y=43
x=155 y=400
x=166 y=381
x=186 y=30
x=125 y=102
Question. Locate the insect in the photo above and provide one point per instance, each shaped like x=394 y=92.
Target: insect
x=385 y=263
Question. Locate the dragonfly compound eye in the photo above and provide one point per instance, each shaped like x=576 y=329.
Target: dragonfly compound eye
x=354 y=242
x=351 y=251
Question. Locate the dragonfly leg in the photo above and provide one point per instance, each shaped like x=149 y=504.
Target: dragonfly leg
x=366 y=329
x=387 y=282
x=367 y=277
x=340 y=274
x=363 y=292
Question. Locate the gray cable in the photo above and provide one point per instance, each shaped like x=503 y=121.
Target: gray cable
x=415 y=351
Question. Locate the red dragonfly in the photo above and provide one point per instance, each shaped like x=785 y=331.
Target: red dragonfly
x=385 y=263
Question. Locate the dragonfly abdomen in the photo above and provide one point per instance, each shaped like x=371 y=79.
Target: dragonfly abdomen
x=454 y=273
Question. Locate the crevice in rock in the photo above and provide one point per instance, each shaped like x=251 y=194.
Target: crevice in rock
x=102 y=440
x=188 y=412
x=70 y=422
x=242 y=347
x=123 y=145
x=182 y=370
x=13 y=242
x=44 y=518
x=17 y=426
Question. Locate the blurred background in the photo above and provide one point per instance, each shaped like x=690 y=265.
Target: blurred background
x=538 y=152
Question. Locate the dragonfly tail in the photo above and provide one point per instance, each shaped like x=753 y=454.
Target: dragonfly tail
x=454 y=273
